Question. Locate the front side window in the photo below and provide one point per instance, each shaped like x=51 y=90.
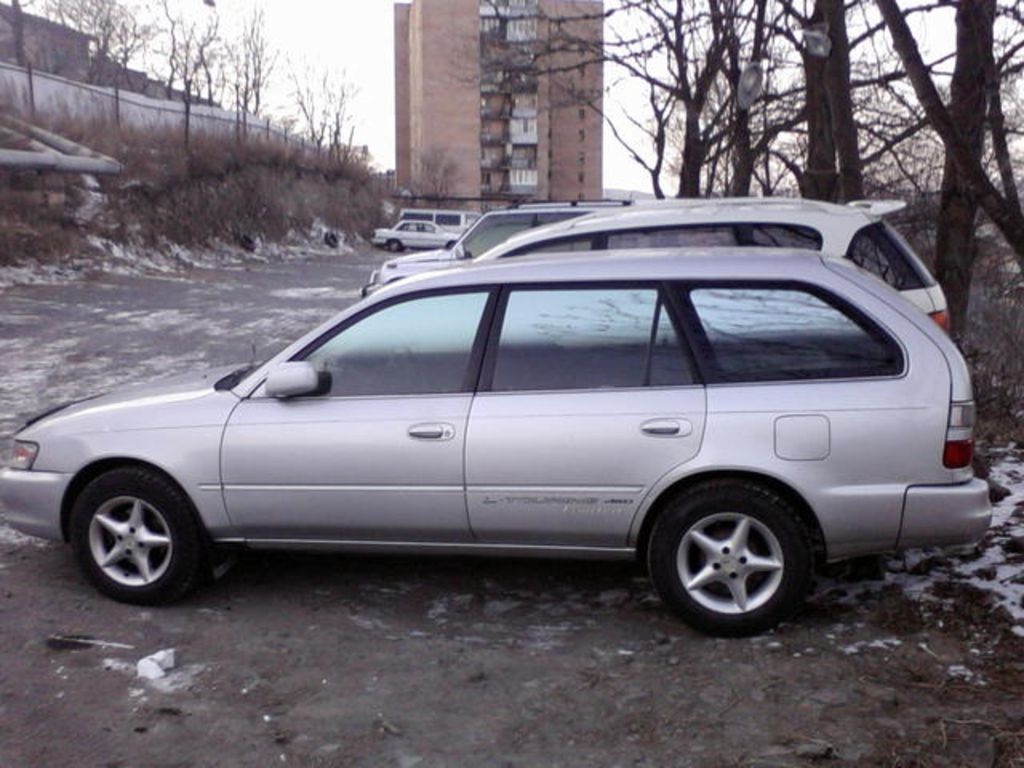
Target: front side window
x=449 y=219
x=774 y=334
x=587 y=338
x=417 y=347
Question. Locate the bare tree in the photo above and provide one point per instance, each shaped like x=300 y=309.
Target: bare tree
x=323 y=99
x=435 y=173
x=117 y=30
x=253 y=61
x=191 y=54
x=967 y=182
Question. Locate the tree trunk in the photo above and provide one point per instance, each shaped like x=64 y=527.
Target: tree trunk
x=955 y=246
x=743 y=155
x=694 y=152
x=838 y=91
x=820 y=181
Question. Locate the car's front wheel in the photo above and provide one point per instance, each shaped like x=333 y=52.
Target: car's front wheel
x=730 y=557
x=136 y=537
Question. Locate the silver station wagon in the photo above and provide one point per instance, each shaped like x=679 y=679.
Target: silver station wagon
x=731 y=420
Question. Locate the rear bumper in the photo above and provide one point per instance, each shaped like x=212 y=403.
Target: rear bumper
x=31 y=501
x=939 y=515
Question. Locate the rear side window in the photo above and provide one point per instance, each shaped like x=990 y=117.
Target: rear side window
x=672 y=237
x=562 y=245
x=448 y=219
x=588 y=338
x=783 y=236
x=777 y=334
x=416 y=216
x=874 y=250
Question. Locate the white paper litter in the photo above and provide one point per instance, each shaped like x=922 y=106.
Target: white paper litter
x=155 y=665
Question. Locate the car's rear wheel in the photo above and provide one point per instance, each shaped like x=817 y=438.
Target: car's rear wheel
x=730 y=557
x=137 y=538
x=393 y=245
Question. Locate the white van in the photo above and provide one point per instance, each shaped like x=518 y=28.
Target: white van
x=453 y=221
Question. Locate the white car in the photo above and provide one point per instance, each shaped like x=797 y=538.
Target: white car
x=855 y=231
x=414 y=234
x=491 y=229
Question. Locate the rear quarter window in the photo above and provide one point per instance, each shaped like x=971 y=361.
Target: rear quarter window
x=780 y=333
x=874 y=249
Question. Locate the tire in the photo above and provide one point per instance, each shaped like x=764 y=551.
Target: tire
x=720 y=580
x=394 y=245
x=145 y=527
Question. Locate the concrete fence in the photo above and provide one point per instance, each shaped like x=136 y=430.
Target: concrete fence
x=36 y=93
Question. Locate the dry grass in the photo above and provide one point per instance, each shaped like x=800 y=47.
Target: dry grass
x=218 y=188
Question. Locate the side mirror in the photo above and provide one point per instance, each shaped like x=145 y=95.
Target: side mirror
x=294 y=379
x=458 y=252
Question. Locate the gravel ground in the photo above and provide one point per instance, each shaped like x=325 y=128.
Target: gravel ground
x=351 y=661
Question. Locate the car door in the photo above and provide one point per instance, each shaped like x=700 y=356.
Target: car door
x=408 y=234
x=587 y=398
x=378 y=456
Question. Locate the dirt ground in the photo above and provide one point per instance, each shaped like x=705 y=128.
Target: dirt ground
x=370 y=661
x=341 y=661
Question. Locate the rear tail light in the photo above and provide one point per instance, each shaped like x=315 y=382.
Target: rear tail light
x=958 y=452
x=941 y=319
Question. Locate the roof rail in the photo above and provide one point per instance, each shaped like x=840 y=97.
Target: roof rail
x=573 y=204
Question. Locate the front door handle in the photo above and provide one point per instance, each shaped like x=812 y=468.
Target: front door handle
x=432 y=431
x=667 y=427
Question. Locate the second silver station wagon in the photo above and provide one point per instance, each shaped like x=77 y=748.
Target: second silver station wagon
x=732 y=432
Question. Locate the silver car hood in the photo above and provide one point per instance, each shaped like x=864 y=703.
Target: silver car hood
x=118 y=409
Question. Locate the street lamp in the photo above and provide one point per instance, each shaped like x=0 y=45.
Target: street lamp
x=750 y=85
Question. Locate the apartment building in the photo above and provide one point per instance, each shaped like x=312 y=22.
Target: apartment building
x=490 y=102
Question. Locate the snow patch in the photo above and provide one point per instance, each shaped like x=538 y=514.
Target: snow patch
x=884 y=644
x=993 y=567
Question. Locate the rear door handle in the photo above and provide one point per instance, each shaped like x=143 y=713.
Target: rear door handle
x=667 y=427
x=432 y=431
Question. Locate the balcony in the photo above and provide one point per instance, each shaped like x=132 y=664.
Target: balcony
x=523 y=163
x=495 y=113
x=492 y=138
x=522 y=137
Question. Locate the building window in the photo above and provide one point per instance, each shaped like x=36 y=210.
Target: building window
x=581 y=157
x=583 y=135
x=583 y=113
x=582 y=176
x=521 y=30
x=523 y=177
